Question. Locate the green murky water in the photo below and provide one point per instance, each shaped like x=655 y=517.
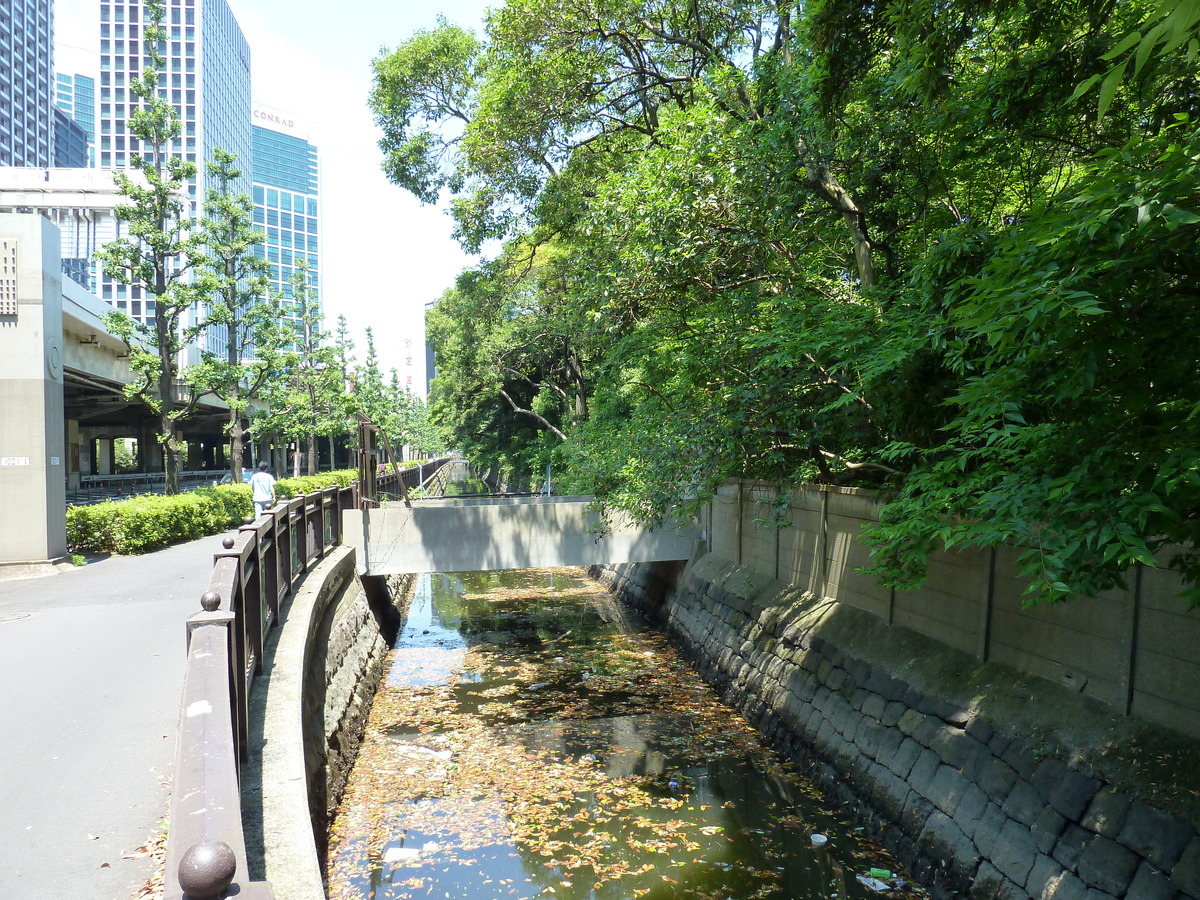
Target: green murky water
x=531 y=739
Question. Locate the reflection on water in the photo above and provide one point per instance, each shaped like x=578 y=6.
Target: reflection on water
x=532 y=741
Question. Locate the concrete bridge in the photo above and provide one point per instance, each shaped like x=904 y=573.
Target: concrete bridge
x=490 y=533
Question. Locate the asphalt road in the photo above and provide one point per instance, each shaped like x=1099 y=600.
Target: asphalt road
x=91 y=668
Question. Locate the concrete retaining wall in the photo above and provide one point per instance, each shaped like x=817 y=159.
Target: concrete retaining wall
x=322 y=666
x=984 y=781
x=1132 y=649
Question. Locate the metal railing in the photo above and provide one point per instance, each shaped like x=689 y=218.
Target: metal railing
x=252 y=574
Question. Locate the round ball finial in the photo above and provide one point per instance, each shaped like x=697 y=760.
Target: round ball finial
x=227 y=543
x=210 y=601
x=207 y=868
x=249 y=520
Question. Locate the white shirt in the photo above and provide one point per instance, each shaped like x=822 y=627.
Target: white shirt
x=262 y=486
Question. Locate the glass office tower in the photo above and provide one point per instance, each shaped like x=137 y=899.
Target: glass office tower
x=287 y=201
x=75 y=95
x=26 y=83
x=207 y=79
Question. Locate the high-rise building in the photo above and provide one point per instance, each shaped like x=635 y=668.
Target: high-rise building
x=206 y=76
x=75 y=95
x=70 y=143
x=287 y=203
x=26 y=83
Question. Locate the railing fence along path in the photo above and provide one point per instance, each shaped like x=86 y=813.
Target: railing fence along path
x=252 y=574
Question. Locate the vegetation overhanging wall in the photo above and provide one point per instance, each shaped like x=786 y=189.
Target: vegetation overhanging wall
x=1133 y=650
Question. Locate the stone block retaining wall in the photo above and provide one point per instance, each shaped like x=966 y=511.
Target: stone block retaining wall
x=342 y=672
x=1132 y=649
x=985 y=782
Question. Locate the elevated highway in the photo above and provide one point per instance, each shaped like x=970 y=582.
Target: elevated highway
x=62 y=382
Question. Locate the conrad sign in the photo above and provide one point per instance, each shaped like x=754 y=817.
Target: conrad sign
x=276 y=121
x=265 y=118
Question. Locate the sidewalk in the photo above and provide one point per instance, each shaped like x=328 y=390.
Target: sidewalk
x=91 y=669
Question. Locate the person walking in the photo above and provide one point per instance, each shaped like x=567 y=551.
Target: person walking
x=262 y=489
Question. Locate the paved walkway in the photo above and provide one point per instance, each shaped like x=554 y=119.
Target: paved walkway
x=91 y=669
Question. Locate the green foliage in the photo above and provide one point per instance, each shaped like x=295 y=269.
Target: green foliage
x=1074 y=433
x=858 y=241
x=156 y=249
x=287 y=488
x=151 y=522
x=428 y=78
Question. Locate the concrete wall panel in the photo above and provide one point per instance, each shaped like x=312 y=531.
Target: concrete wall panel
x=33 y=450
x=511 y=534
x=1087 y=644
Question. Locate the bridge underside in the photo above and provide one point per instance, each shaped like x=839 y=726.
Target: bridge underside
x=486 y=534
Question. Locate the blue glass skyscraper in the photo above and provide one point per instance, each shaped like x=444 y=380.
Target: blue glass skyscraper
x=287 y=202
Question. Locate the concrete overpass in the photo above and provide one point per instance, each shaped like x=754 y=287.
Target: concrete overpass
x=62 y=378
x=489 y=534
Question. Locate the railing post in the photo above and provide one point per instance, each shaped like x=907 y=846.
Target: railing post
x=206 y=849
x=303 y=538
x=268 y=567
x=225 y=574
x=254 y=597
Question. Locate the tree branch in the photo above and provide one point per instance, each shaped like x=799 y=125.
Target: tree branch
x=529 y=412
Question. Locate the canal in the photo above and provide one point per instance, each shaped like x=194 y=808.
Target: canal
x=533 y=738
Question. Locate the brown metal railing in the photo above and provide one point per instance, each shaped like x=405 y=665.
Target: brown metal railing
x=252 y=574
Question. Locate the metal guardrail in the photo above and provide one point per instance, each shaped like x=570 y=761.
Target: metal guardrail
x=252 y=574
x=98 y=488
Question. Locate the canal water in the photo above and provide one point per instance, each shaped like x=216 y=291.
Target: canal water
x=533 y=739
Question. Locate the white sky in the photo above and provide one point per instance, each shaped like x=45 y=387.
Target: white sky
x=384 y=256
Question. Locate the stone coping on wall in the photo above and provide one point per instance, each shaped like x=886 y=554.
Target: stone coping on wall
x=277 y=821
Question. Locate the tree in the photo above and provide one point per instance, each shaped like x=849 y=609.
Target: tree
x=848 y=241
x=343 y=346
x=416 y=429
x=308 y=397
x=389 y=405
x=234 y=280
x=159 y=253
x=370 y=394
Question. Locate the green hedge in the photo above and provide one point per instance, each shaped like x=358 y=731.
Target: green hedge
x=287 y=488
x=150 y=522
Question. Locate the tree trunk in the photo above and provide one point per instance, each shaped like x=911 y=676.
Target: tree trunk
x=576 y=370
x=828 y=188
x=166 y=419
x=236 y=448
x=232 y=358
x=312 y=454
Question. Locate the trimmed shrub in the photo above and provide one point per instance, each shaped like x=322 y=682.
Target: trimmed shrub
x=287 y=488
x=90 y=528
x=151 y=521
